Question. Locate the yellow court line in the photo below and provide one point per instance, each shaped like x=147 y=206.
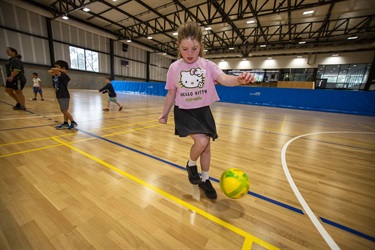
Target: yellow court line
x=49 y=137
x=82 y=140
x=283 y=124
x=29 y=150
x=249 y=239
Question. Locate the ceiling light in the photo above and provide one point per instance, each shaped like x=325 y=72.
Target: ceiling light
x=149 y=37
x=352 y=37
x=175 y=33
x=301 y=42
x=308 y=12
x=208 y=28
x=335 y=54
x=129 y=40
x=231 y=48
x=299 y=56
x=263 y=45
x=250 y=21
x=65 y=17
x=269 y=58
x=86 y=9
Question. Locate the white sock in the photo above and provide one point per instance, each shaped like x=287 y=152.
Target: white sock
x=205 y=176
x=192 y=163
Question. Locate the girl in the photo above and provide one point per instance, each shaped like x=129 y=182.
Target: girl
x=191 y=88
x=16 y=79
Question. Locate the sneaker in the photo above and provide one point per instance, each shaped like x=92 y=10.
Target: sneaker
x=106 y=110
x=19 y=108
x=16 y=107
x=73 y=125
x=120 y=108
x=62 y=126
x=193 y=174
x=208 y=189
x=34 y=99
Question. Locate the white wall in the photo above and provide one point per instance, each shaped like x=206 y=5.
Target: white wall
x=282 y=62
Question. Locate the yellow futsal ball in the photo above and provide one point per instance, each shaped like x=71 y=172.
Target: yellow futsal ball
x=234 y=183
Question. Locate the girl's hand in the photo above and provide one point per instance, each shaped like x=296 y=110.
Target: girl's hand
x=246 y=78
x=163 y=119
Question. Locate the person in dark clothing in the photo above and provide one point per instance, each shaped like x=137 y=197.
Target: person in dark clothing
x=60 y=82
x=16 y=80
x=108 y=88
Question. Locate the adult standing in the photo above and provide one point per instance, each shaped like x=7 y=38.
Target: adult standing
x=16 y=79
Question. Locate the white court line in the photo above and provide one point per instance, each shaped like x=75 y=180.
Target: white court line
x=332 y=244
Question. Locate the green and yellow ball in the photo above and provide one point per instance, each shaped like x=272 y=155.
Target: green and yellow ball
x=234 y=183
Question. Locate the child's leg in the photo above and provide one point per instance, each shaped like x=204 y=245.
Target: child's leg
x=67 y=116
x=201 y=148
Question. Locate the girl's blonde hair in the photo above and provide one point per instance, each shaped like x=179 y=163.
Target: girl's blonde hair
x=193 y=31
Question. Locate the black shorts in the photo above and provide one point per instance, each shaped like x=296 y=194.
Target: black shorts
x=15 y=84
x=194 y=121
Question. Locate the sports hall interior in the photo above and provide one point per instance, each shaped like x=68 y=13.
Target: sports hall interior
x=304 y=136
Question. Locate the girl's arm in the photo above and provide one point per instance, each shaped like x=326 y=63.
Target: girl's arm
x=169 y=100
x=230 y=80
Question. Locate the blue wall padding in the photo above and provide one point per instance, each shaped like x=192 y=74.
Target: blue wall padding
x=340 y=101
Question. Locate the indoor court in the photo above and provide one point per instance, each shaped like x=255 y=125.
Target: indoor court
x=119 y=180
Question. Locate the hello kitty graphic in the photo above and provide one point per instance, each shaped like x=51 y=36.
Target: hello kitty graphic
x=193 y=78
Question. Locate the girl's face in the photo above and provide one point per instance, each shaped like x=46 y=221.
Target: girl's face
x=10 y=53
x=189 y=50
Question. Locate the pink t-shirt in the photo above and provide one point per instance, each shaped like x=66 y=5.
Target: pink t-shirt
x=195 y=83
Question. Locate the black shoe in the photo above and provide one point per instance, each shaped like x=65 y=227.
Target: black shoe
x=193 y=174
x=208 y=189
x=16 y=107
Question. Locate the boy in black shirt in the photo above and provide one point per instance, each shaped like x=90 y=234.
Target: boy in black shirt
x=108 y=88
x=60 y=82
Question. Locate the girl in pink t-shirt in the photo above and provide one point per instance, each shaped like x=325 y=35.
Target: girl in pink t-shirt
x=191 y=88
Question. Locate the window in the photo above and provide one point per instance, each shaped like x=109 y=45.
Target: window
x=84 y=59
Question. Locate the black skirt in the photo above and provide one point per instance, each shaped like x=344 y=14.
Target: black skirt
x=194 y=121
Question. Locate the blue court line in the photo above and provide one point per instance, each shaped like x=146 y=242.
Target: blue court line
x=350 y=230
x=297 y=210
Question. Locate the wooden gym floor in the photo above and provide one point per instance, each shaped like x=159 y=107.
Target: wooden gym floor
x=119 y=181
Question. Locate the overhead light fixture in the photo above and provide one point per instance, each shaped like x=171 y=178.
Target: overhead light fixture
x=352 y=37
x=301 y=42
x=164 y=53
x=299 y=56
x=308 y=12
x=269 y=58
x=263 y=45
x=250 y=21
x=86 y=9
x=149 y=37
x=335 y=54
x=65 y=17
x=208 y=28
x=175 y=33
x=231 y=48
x=128 y=40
